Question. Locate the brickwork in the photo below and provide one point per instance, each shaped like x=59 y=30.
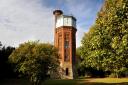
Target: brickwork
x=60 y=39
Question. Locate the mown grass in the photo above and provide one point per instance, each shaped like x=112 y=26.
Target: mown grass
x=110 y=80
x=86 y=81
x=89 y=81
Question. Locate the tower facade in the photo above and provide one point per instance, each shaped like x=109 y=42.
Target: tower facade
x=65 y=41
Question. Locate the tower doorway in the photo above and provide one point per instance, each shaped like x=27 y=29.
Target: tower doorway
x=67 y=71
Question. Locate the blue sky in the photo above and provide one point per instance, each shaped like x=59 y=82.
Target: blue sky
x=23 y=20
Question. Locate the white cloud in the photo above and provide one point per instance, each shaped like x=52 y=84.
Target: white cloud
x=23 y=20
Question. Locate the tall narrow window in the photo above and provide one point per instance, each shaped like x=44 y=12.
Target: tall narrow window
x=66 y=43
x=66 y=57
x=66 y=47
x=60 y=45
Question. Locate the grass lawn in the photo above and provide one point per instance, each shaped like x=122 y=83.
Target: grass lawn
x=89 y=81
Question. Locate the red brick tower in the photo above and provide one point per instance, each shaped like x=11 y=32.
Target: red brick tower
x=65 y=41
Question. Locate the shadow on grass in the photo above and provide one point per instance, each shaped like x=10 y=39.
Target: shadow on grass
x=58 y=82
x=14 y=82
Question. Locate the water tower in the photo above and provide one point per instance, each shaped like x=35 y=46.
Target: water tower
x=65 y=41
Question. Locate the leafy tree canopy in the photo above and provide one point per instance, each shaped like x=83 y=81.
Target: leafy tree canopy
x=105 y=46
x=35 y=60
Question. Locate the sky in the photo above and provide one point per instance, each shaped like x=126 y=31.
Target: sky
x=30 y=20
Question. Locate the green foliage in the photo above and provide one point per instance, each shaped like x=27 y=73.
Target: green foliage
x=35 y=60
x=105 y=46
x=79 y=66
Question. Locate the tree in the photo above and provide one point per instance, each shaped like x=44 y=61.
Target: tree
x=6 y=70
x=35 y=60
x=105 y=46
x=80 y=68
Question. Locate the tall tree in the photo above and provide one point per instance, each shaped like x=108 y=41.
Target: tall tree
x=35 y=60
x=105 y=46
x=6 y=70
